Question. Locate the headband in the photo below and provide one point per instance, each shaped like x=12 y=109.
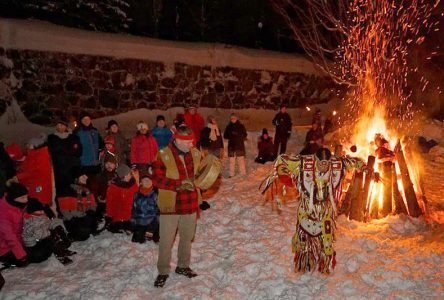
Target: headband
x=183 y=136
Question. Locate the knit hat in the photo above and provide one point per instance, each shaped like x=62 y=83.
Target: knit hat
x=83 y=114
x=109 y=139
x=142 y=125
x=123 y=170
x=109 y=157
x=15 y=152
x=264 y=131
x=16 y=190
x=160 y=118
x=111 y=123
x=63 y=121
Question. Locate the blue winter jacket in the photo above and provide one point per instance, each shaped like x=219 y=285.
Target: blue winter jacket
x=163 y=136
x=90 y=140
x=145 y=209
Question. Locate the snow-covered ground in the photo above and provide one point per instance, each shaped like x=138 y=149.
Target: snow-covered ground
x=242 y=251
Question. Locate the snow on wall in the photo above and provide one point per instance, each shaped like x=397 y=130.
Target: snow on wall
x=43 y=36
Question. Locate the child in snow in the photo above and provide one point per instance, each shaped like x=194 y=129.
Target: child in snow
x=109 y=149
x=161 y=133
x=78 y=208
x=119 y=199
x=29 y=233
x=145 y=214
x=143 y=149
x=265 y=148
x=99 y=184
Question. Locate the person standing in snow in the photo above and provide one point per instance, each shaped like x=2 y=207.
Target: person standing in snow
x=65 y=150
x=195 y=121
x=143 y=149
x=121 y=147
x=178 y=202
x=161 y=133
x=283 y=124
x=91 y=142
x=236 y=134
x=211 y=138
x=145 y=214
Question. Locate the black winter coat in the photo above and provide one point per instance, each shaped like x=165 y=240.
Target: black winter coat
x=236 y=134
x=283 y=124
x=207 y=143
x=65 y=156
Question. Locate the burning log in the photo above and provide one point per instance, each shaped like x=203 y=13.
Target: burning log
x=387 y=188
x=368 y=179
x=410 y=195
x=356 y=211
x=398 y=202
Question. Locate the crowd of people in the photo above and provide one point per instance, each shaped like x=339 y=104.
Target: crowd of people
x=74 y=184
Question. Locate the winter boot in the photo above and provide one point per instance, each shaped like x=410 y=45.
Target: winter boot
x=186 y=272
x=138 y=236
x=59 y=236
x=160 y=280
x=64 y=260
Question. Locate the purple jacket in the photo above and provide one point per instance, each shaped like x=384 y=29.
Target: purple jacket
x=11 y=227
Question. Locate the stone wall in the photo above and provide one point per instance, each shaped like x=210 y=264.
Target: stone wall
x=55 y=84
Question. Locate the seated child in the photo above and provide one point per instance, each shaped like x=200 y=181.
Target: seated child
x=145 y=214
x=99 y=183
x=28 y=231
x=119 y=199
x=265 y=148
x=78 y=208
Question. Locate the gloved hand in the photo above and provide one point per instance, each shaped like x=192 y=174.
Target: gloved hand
x=204 y=205
x=186 y=184
x=23 y=262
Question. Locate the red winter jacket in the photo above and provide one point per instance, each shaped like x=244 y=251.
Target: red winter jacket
x=36 y=174
x=119 y=200
x=143 y=149
x=11 y=228
x=196 y=123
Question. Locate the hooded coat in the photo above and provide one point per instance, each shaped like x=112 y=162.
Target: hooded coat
x=236 y=134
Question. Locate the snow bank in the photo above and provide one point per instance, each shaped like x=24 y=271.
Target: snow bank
x=433 y=130
x=242 y=251
x=44 y=36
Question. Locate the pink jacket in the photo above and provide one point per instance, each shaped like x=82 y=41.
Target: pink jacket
x=143 y=149
x=11 y=227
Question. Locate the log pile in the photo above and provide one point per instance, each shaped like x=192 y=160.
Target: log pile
x=384 y=185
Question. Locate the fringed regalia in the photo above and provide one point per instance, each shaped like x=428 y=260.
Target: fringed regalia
x=319 y=192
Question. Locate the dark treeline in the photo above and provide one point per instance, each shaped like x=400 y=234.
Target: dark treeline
x=247 y=23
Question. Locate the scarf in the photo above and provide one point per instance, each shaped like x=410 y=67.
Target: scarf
x=214 y=131
x=145 y=191
x=63 y=135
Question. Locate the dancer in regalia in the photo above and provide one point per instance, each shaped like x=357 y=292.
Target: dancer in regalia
x=318 y=178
